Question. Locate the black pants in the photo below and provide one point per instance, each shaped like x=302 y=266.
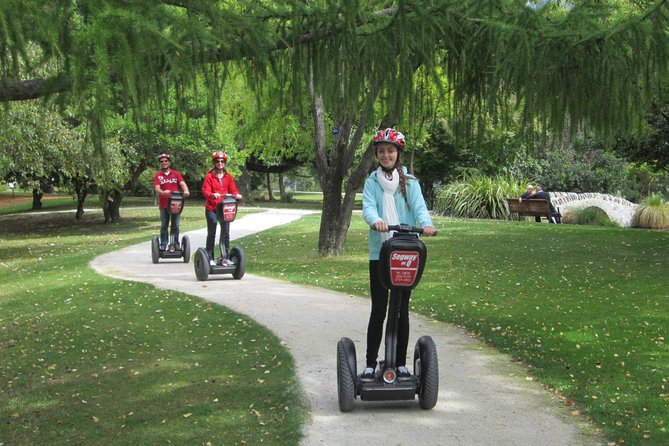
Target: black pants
x=378 y=316
x=165 y=218
x=212 y=223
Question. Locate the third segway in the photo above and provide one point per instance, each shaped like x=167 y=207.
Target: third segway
x=173 y=250
x=401 y=264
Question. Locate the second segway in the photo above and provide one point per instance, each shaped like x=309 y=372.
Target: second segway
x=173 y=250
x=401 y=264
x=233 y=262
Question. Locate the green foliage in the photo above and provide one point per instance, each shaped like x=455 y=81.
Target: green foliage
x=592 y=63
x=588 y=316
x=582 y=166
x=478 y=196
x=650 y=147
x=593 y=216
x=645 y=181
x=652 y=213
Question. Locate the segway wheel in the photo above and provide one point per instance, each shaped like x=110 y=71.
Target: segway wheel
x=346 y=374
x=201 y=264
x=237 y=256
x=155 y=249
x=426 y=367
x=185 y=248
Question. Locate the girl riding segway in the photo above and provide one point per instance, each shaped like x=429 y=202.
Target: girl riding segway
x=390 y=197
x=395 y=210
x=217 y=184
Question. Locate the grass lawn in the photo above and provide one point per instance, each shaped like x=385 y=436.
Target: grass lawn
x=91 y=360
x=85 y=358
x=585 y=308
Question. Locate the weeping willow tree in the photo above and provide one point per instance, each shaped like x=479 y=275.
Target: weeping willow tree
x=359 y=64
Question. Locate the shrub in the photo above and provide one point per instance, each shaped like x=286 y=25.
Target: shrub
x=652 y=213
x=593 y=216
x=478 y=196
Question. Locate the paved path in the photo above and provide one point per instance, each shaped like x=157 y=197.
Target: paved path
x=483 y=398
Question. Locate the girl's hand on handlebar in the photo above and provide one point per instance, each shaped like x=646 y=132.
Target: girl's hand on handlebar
x=238 y=196
x=381 y=226
x=429 y=231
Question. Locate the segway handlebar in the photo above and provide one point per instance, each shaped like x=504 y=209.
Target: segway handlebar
x=404 y=228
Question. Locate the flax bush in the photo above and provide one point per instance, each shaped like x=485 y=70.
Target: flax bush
x=478 y=196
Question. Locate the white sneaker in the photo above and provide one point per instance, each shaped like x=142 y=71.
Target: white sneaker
x=212 y=263
x=367 y=374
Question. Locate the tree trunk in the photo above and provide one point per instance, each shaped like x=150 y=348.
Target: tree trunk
x=268 y=178
x=111 y=204
x=81 y=190
x=37 y=199
x=282 y=189
x=244 y=184
x=336 y=164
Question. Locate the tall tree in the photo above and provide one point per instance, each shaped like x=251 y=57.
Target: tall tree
x=592 y=63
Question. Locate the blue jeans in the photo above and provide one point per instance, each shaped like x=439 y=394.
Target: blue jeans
x=165 y=218
x=224 y=237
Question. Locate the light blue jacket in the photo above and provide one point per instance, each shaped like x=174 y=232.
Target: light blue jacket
x=372 y=208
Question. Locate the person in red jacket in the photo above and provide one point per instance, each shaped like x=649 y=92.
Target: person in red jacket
x=166 y=181
x=217 y=183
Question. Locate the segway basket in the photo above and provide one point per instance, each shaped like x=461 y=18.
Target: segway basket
x=175 y=203
x=402 y=261
x=226 y=210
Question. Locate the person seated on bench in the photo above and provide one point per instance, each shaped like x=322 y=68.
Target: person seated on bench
x=543 y=195
x=528 y=192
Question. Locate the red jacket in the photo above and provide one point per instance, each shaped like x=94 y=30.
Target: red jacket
x=212 y=184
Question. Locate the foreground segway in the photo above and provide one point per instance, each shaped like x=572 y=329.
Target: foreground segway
x=401 y=262
x=173 y=250
x=233 y=262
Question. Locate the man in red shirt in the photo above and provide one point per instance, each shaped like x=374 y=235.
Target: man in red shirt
x=165 y=182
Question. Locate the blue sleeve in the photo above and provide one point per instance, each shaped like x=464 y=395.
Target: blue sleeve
x=418 y=206
x=370 y=212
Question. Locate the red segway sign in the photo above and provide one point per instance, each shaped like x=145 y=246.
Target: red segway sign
x=403 y=267
x=229 y=211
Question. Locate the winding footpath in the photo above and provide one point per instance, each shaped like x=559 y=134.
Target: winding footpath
x=484 y=399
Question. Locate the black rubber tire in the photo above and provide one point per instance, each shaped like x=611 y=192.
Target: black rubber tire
x=237 y=256
x=185 y=248
x=155 y=249
x=201 y=264
x=345 y=376
x=426 y=367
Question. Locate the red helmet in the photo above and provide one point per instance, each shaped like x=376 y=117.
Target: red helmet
x=391 y=136
x=220 y=155
x=163 y=155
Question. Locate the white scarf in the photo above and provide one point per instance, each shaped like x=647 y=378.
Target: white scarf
x=389 y=208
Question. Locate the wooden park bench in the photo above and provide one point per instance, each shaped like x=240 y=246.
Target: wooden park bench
x=533 y=207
